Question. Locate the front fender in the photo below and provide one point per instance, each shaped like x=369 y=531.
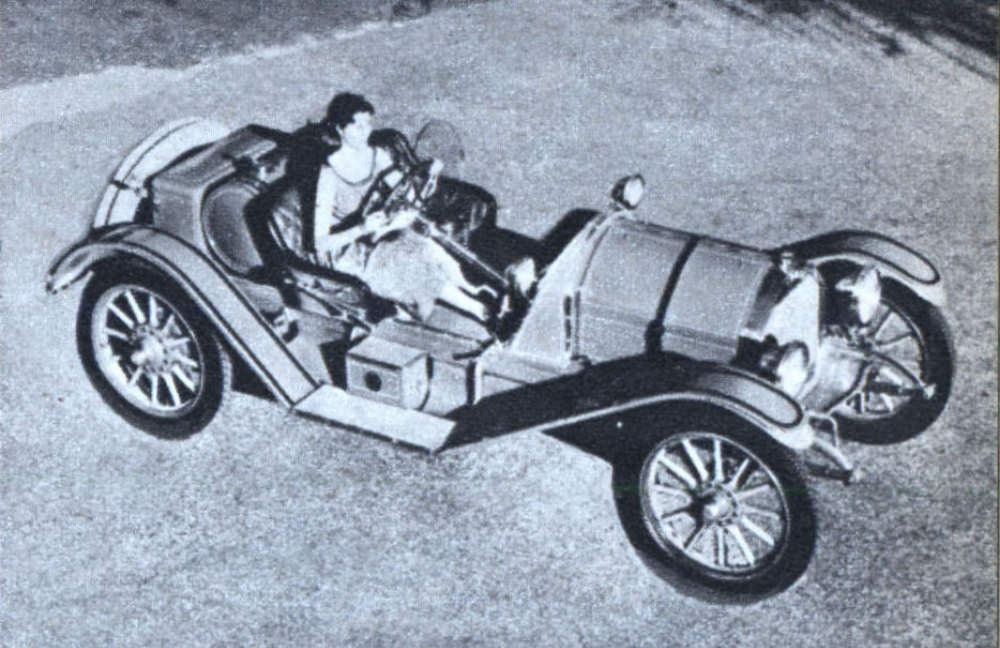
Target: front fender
x=235 y=319
x=892 y=258
x=746 y=396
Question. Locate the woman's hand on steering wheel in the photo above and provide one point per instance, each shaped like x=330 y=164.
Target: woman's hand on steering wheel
x=379 y=223
x=412 y=189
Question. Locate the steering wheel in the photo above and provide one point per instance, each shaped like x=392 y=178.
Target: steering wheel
x=415 y=179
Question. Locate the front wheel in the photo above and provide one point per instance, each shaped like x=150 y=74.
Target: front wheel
x=149 y=352
x=717 y=507
x=907 y=379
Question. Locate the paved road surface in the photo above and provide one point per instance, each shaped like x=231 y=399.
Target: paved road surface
x=273 y=530
x=45 y=40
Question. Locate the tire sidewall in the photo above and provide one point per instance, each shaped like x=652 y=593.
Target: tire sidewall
x=216 y=368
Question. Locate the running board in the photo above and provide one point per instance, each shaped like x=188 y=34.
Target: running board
x=408 y=426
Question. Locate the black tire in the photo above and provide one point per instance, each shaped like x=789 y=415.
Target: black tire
x=935 y=366
x=732 y=560
x=162 y=342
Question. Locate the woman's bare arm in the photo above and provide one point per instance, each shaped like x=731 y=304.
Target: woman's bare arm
x=323 y=213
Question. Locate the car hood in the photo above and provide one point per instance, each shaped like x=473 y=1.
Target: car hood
x=623 y=286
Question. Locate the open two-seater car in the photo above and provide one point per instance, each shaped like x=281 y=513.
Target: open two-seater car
x=703 y=370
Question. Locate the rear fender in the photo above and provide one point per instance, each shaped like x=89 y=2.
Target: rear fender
x=893 y=259
x=74 y=262
x=127 y=187
x=234 y=318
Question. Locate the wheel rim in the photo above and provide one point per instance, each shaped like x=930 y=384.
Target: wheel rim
x=715 y=502
x=147 y=351
x=895 y=372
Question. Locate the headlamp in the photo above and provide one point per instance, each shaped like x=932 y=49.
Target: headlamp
x=793 y=367
x=787 y=365
x=863 y=292
x=627 y=193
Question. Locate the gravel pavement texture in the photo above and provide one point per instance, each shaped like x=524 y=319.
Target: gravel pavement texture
x=271 y=530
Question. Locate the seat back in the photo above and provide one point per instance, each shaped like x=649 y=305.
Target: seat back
x=225 y=227
x=286 y=225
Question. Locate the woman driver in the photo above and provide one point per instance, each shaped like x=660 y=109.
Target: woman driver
x=393 y=260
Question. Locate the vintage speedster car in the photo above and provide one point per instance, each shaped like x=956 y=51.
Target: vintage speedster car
x=704 y=370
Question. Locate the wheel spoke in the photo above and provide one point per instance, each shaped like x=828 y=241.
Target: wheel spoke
x=154 y=389
x=121 y=315
x=175 y=342
x=894 y=340
x=717 y=460
x=172 y=388
x=741 y=542
x=183 y=377
x=720 y=546
x=757 y=531
x=886 y=402
x=675 y=512
x=892 y=385
x=115 y=333
x=734 y=482
x=171 y=320
x=695 y=459
x=666 y=489
x=756 y=510
x=679 y=472
x=133 y=380
x=185 y=360
x=695 y=536
x=134 y=305
x=880 y=323
x=750 y=492
x=152 y=310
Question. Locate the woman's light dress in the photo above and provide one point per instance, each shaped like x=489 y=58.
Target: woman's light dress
x=403 y=266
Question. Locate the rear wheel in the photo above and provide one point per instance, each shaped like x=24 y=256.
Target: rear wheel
x=717 y=507
x=149 y=352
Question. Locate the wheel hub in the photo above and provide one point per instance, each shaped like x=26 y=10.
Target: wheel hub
x=719 y=506
x=152 y=355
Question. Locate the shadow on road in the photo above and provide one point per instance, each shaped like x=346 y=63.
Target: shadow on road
x=44 y=40
x=67 y=37
x=969 y=24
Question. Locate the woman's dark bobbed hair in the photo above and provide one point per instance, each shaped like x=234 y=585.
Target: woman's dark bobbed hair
x=342 y=108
